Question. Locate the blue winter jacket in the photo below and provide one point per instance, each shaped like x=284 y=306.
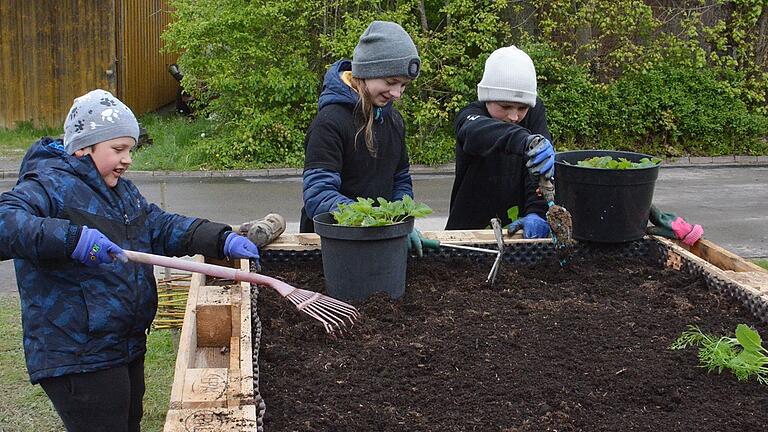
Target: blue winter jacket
x=77 y=318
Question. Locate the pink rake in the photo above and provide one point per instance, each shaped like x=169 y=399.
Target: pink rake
x=332 y=313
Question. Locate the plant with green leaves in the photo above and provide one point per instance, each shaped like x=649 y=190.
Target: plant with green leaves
x=365 y=213
x=614 y=74
x=608 y=162
x=744 y=355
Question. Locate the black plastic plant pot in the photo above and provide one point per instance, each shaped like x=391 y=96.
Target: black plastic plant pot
x=361 y=261
x=607 y=205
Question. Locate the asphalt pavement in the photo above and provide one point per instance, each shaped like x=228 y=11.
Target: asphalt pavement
x=730 y=200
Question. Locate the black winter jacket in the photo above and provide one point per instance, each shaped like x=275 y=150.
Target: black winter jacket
x=491 y=176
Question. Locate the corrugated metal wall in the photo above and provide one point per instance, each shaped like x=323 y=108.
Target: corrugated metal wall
x=52 y=51
x=144 y=82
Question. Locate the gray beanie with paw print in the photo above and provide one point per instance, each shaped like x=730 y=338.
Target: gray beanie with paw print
x=95 y=117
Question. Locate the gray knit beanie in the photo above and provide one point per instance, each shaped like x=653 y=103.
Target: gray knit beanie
x=509 y=76
x=95 y=117
x=384 y=50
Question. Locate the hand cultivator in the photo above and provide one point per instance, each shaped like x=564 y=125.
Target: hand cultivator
x=332 y=313
x=496 y=225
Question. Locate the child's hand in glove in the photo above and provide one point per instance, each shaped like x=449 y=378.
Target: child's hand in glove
x=672 y=226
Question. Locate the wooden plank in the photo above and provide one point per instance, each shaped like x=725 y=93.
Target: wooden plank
x=721 y=257
x=213 y=317
x=242 y=419
x=311 y=241
x=245 y=340
x=211 y=357
x=756 y=280
x=233 y=390
x=187 y=340
x=205 y=388
x=751 y=283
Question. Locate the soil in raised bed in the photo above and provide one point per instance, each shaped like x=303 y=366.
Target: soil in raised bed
x=544 y=349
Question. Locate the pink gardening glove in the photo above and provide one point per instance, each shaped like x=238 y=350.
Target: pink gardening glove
x=685 y=232
x=672 y=226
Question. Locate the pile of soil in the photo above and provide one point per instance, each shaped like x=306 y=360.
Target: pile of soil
x=544 y=349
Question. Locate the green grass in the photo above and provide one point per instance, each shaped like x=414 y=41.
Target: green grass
x=28 y=409
x=761 y=262
x=175 y=145
x=15 y=142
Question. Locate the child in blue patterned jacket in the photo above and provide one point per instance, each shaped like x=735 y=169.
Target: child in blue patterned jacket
x=85 y=313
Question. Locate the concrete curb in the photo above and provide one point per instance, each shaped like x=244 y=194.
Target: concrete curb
x=8 y=173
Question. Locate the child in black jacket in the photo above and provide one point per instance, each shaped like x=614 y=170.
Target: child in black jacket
x=493 y=160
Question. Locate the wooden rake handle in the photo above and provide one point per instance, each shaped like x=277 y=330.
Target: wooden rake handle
x=210 y=270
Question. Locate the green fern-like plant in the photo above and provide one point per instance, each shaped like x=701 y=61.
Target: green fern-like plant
x=744 y=355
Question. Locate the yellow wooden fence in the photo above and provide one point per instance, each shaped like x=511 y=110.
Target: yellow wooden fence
x=52 y=51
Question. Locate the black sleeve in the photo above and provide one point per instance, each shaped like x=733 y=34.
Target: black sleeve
x=480 y=134
x=324 y=142
x=533 y=202
x=206 y=238
x=536 y=120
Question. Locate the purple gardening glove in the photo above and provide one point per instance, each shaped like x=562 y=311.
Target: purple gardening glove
x=237 y=246
x=94 y=248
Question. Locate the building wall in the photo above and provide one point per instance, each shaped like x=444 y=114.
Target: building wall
x=144 y=83
x=52 y=51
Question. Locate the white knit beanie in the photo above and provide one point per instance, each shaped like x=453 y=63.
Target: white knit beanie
x=509 y=76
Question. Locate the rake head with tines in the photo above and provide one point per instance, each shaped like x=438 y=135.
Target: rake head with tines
x=332 y=313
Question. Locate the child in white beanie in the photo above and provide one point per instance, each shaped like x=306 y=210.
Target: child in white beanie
x=493 y=158
x=85 y=311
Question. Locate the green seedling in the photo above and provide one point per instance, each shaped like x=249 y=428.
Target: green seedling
x=744 y=355
x=365 y=213
x=608 y=162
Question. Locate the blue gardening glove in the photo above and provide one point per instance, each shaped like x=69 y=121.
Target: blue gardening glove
x=533 y=226
x=417 y=243
x=94 y=248
x=541 y=157
x=237 y=246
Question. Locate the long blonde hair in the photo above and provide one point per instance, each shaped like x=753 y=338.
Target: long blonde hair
x=365 y=106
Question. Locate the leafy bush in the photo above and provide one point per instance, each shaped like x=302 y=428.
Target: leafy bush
x=612 y=73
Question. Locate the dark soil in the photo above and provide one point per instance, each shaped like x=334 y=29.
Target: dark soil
x=545 y=349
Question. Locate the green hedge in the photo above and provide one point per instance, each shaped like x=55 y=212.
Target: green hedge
x=613 y=73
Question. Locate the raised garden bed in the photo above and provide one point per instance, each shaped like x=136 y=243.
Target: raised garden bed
x=544 y=349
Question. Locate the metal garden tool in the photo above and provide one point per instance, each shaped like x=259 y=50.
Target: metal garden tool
x=558 y=217
x=332 y=313
x=496 y=225
x=497 y=232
